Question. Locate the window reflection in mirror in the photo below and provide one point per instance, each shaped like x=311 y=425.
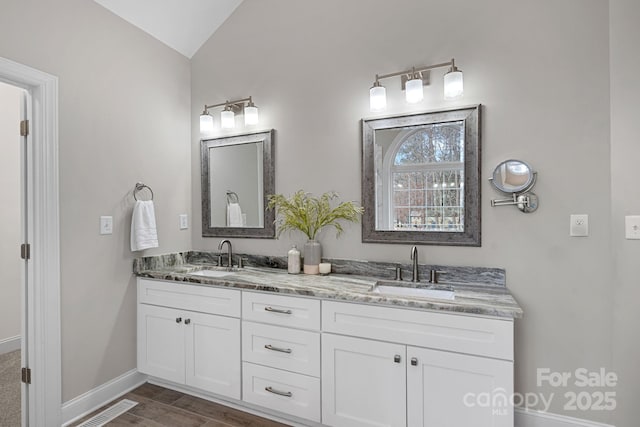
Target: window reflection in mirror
x=420 y=174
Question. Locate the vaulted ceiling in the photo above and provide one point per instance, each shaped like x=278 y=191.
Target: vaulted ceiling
x=182 y=25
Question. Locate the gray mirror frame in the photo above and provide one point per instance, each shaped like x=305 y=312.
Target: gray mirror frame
x=471 y=236
x=269 y=229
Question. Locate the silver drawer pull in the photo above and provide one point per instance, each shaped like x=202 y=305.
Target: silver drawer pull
x=281 y=350
x=277 y=310
x=278 y=392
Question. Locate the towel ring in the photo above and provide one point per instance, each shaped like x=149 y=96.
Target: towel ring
x=139 y=187
x=232 y=197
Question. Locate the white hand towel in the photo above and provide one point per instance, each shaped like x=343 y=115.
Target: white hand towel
x=143 y=226
x=234 y=215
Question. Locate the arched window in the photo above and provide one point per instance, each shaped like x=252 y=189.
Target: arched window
x=425 y=172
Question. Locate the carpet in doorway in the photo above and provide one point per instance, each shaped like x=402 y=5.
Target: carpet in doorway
x=10 y=389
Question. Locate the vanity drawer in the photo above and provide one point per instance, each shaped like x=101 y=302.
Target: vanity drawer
x=283 y=348
x=292 y=312
x=283 y=391
x=464 y=334
x=225 y=302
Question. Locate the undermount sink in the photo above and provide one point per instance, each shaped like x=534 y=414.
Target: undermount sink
x=414 y=290
x=212 y=273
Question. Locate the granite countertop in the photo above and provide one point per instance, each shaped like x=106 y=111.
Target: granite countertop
x=477 y=299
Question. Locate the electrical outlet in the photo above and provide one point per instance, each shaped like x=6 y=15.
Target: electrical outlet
x=106 y=225
x=579 y=225
x=632 y=227
x=184 y=221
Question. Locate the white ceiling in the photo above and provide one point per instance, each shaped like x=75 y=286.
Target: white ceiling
x=181 y=24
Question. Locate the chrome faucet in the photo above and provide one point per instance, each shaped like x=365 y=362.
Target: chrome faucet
x=229 y=251
x=414 y=258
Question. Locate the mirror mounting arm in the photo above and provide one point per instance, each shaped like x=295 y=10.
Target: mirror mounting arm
x=526 y=202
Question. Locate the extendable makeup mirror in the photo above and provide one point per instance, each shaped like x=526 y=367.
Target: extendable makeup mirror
x=516 y=178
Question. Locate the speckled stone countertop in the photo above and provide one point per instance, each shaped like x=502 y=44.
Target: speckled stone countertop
x=470 y=298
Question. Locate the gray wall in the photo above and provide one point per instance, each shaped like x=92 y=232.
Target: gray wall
x=10 y=212
x=625 y=200
x=545 y=88
x=124 y=110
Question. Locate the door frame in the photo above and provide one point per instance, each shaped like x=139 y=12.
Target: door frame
x=43 y=271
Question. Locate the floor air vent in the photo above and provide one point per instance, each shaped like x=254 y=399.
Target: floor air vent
x=109 y=414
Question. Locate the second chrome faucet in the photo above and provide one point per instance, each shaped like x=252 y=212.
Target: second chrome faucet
x=414 y=257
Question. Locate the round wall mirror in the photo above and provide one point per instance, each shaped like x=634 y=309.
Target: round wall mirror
x=513 y=177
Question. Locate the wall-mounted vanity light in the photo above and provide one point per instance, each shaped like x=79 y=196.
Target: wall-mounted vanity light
x=516 y=178
x=413 y=81
x=228 y=114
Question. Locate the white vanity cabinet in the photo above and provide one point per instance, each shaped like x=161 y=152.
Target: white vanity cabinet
x=394 y=367
x=182 y=337
x=325 y=362
x=281 y=353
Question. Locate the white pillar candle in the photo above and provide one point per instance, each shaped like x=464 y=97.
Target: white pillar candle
x=325 y=268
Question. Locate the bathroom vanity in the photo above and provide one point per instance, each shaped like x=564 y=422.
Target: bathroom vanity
x=316 y=350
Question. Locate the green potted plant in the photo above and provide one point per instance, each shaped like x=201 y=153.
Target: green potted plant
x=309 y=214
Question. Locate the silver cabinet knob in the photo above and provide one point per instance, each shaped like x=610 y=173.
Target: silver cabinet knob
x=397 y=358
x=414 y=361
x=178 y=319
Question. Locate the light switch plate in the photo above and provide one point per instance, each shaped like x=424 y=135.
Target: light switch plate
x=579 y=225
x=632 y=227
x=184 y=221
x=106 y=225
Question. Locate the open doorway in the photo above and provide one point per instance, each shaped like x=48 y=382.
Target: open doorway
x=12 y=230
x=40 y=251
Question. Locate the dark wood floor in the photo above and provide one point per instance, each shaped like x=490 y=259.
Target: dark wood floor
x=158 y=406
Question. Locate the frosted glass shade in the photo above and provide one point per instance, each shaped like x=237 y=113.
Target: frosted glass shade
x=377 y=98
x=453 y=85
x=414 y=91
x=206 y=124
x=227 y=119
x=250 y=116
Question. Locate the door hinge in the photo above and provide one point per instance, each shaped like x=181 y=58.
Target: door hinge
x=25 y=251
x=26 y=375
x=24 y=127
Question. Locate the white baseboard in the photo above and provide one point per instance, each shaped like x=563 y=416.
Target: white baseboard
x=528 y=418
x=10 y=344
x=88 y=402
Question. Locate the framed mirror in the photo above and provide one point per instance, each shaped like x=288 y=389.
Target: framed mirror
x=421 y=178
x=237 y=175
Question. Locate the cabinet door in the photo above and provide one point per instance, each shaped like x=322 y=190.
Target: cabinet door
x=363 y=382
x=452 y=390
x=213 y=353
x=161 y=342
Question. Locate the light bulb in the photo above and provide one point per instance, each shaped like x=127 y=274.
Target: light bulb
x=377 y=97
x=227 y=119
x=453 y=84
x=250 y=115
x=206 y=124
x=413 y=90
